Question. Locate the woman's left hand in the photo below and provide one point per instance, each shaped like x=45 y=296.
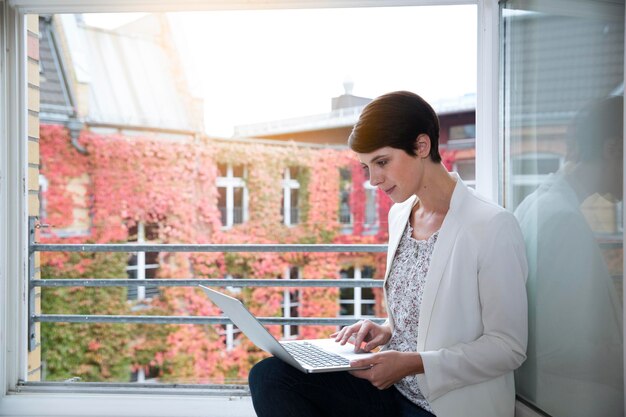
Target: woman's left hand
x=388 y=367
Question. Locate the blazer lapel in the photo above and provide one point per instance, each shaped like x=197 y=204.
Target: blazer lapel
x=441 y=254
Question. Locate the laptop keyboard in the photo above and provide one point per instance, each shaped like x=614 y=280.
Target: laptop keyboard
x=313 y=356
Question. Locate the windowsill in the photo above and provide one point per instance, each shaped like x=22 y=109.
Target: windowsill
x=72 y=404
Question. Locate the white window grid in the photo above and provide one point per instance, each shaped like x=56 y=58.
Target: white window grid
x=290 y=214
x=357 y=301
x=229 y=183
x=291 y=300
x=370 y=218
x=140 y=266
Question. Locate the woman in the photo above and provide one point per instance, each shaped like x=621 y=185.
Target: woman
x=454 y=290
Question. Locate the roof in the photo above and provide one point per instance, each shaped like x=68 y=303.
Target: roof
x=343 y=117
x=56 y=99
x=131 y=78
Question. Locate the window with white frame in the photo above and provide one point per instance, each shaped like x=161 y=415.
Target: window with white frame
x=43 y=188
x=357 y=302
x=291 y=194
x=233 y=194
x=370 y=219
x=143 y=265
x=229 y=331
x=291 y=302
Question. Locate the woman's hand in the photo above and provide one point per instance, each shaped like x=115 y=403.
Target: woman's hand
x=388 y=367
x=372 y=334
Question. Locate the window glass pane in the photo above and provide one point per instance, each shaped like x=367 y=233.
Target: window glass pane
x=562 y=126
x=294 y=205
x=346 y=310
x=371 y=212
x=221 y=203
x=467 y=131
x=345 y=186
x=238 y=171
x=222 y=169
x=367 y=310
x=238 y=205
x=367 y=272
x=347 y=294
x=367 y=293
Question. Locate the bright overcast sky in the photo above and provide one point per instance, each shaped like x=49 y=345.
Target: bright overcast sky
x=256 y=66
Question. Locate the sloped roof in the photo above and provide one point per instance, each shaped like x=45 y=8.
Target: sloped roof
x=56 y=100
x=131 y=77
x=342 y=117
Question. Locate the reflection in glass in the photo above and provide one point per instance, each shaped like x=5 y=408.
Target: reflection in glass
x=563 y=176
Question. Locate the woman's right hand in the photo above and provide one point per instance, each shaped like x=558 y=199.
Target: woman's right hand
x=372 y=334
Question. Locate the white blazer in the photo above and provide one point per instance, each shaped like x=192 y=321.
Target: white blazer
x=473 y=325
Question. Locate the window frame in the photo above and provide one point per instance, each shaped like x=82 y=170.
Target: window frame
x=289 y=184
x=357 y=300
x=230 y=183
x=14 y=194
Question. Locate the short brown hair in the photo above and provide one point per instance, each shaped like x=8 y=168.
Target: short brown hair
x=396 y=120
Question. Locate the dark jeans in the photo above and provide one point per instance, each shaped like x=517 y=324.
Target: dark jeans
x=280 y=390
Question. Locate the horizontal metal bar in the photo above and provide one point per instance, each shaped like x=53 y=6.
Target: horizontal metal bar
x=70 y=318
x=135 y=247
x=134 y=388
x=238 y=283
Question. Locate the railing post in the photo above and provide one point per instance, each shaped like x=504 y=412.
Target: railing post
x=32 y=336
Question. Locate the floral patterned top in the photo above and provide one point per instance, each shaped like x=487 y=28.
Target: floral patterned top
x=405 y=289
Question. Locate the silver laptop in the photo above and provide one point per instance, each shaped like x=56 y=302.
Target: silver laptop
x=314 y=355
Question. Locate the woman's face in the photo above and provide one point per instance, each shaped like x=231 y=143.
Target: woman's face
x=395 y=172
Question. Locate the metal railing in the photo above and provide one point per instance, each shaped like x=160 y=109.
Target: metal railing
x=34 y=283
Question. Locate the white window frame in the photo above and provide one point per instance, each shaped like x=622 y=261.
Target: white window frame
x=357 y=299
x=141 y=267
x=288 y=303
x=373 y=194
x=14 y=194
x=288 y=184
x=230 y=182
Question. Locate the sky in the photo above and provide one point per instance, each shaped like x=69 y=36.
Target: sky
x=258 y=66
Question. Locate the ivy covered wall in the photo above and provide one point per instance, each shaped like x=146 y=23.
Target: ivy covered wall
x=173 y=185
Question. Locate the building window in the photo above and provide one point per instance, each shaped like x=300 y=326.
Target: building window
x=459 y=132
x=291 y=302
x=233 y=194
x=142 y=265
x=229 y=331
x=43 y=202
x=357 y=302
x=466 y=168
x=345 y=189
x=291 y=193
x=371 y=205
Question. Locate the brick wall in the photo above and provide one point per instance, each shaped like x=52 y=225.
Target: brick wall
x=34 y=357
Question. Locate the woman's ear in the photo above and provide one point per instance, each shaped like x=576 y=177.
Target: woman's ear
x=423 y=146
